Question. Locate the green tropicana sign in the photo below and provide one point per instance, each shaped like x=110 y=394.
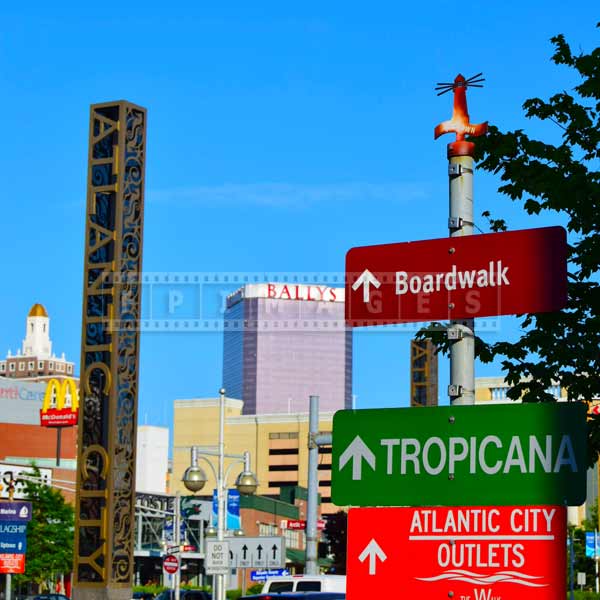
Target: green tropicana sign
x=501 y=454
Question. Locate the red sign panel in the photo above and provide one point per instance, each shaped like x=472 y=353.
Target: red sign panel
x=170 y=564
x=473 y=553
x=61 y=403
x=12 y=563
x=300 y=524
x=64 y=417
x=512 y=272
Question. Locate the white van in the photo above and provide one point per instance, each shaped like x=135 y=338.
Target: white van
x=305 y=583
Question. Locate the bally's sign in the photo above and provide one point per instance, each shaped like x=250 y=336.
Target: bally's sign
x=61 y=404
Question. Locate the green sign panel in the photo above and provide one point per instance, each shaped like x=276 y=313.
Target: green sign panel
x=503 y=454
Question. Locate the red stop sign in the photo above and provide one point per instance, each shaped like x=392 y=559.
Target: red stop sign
x=170 y=564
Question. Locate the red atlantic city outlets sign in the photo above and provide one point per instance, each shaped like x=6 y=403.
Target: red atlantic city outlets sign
x=512 y=272
x=468 y=553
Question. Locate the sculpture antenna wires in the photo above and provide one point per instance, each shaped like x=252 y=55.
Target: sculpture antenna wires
x=460 y=81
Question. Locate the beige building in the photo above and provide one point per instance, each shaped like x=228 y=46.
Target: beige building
x=278 y=445
x=494 y=389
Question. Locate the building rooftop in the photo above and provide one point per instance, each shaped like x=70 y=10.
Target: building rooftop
x=37 y=310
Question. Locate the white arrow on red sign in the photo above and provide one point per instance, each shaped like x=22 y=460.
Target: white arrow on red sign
x=366 y=279
x=373 y=552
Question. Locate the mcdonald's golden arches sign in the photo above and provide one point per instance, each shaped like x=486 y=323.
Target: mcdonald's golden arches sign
x=61 y=404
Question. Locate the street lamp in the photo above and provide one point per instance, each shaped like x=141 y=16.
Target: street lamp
x=194 y=479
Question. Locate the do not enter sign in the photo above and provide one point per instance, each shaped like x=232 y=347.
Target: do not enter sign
x=170 y=564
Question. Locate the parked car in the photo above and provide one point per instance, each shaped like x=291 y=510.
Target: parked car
x=142 y=596
x=185 y=595
x=50 y=597
x=305 y=583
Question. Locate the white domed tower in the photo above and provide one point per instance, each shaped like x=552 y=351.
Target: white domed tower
x=37 y=336
x=35 y=360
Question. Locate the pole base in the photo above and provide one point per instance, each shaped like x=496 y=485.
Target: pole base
x=101 y=593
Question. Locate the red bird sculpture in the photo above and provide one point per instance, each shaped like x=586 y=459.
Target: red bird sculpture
x=459 y=123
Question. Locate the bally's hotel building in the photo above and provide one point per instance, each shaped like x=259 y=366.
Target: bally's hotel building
x=285 y=342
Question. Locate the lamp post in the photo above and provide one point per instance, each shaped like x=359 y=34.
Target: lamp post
x=194 y=479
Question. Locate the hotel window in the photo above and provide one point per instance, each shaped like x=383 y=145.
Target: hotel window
x=2 y=367
x=21 y=366
x=69 y=368
x=281 y=484
x=286 y=435
x=292 y=538
x=282 y=451
x=283 y=467
x=51 y=365
x=11 y=366
x=267 y=529
x=30 y=365
x=40 y=365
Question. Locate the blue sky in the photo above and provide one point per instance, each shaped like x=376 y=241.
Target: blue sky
x=280 y=135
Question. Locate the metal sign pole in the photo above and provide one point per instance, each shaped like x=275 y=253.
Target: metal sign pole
x=177 y=540
x=571 y=568
x=315 y=440
x=596 y=558
x=311 y=566
x=460 y=223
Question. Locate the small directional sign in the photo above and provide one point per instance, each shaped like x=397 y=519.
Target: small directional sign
x=264 y=574
x=13 y=537
x=460 y=455
x=263 y=552
x=217 y=560
x=15 y=511
x=170 y=564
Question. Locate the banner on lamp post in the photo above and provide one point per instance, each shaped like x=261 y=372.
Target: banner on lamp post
x=232 y=511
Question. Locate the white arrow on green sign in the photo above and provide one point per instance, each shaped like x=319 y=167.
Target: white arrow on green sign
x=505 y=454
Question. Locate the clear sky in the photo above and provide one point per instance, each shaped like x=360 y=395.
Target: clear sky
x=279 y=136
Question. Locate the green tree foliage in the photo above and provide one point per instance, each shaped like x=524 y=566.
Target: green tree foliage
x=336 y=531
x=560 y=176
x=591 y=524
x=49 y=534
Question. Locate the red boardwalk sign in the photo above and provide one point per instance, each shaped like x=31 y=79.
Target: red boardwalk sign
x=513 y=272
x=468 y=553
